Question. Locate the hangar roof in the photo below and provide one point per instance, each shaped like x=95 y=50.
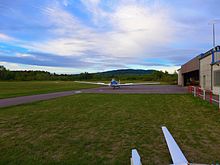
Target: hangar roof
x=217 y=48
x=191 y=65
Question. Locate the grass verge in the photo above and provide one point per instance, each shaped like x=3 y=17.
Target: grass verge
x=23 y=88
x=103 y=128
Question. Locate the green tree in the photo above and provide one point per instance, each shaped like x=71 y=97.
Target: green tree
x=2 y=68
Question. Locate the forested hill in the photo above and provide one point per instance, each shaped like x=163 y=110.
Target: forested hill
x=122 y=74
x=126 y=72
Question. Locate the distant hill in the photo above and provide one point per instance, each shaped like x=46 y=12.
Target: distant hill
x=122 y=74
x=126 y=72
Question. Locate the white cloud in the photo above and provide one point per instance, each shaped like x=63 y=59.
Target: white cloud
x=124 y=35
x=63 y=47
x=139 y=29
x=24 y=55
x=5 y=37
x=98 y=15
x=58 y=70
x=92 y=5
x=154 y=21
x=65 y=2
x=70 y=37
x=67 y=70
x=133 y=29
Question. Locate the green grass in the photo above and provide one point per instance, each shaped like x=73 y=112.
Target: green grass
x=103 y=128
x=22 y=88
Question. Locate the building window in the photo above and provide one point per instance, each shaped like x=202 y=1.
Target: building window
x=204 y=82
x=217 y=56
x=217 y=78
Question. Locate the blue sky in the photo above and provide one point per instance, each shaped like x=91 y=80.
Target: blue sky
x=73 y=36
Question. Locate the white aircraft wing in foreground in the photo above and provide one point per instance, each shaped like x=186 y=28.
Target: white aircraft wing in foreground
x=135 y=158
x=177 y=155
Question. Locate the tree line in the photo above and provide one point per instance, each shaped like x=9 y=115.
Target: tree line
x=7 y=75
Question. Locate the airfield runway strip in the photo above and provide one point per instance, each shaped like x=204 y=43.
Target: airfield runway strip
x=148 y=89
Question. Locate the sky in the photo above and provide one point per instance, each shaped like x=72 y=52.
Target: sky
x=74 y=36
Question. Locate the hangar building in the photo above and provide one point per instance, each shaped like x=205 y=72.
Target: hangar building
x=203 y=70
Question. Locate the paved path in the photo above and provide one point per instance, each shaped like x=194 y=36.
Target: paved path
x=28 y=99
x=160 y=89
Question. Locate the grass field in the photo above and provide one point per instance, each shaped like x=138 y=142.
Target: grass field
x=22 y=88
x=103 y=128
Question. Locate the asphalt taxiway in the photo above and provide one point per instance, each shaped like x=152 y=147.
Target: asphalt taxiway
x=148 y=89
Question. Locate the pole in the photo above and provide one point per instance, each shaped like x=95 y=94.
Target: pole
x=213 y=31
x=203 y=94
x=219 y=101
x=194 y=90
x=219 y=98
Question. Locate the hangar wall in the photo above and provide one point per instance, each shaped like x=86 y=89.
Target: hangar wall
x=180 y=78
x=210 y=71
x=189 y=73
x=216 y=79
x=205 y=72
x=204 y=69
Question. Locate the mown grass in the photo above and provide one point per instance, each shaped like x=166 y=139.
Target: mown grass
x=103 y=128
x=22 y=88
